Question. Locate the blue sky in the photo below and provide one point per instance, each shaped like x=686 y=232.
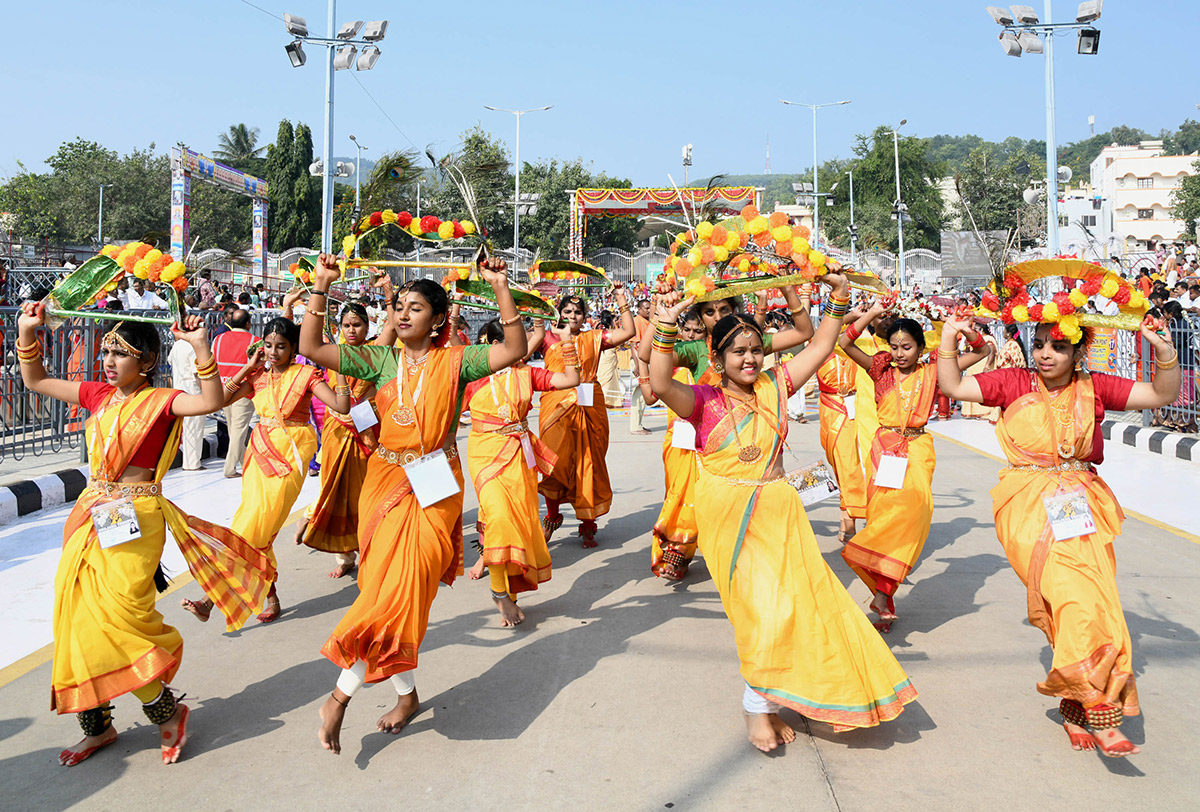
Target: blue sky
x=631 y=81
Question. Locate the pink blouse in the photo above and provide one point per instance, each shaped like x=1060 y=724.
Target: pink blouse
x=710 y=407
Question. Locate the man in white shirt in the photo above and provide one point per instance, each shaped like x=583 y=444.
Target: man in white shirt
x=139 y=298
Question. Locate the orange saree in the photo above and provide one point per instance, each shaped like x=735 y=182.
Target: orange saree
x=1072 y=589
x=801 y=639
x=109 y=638
x=836 y=381
x=898 y=519
x=674 y=536
x=505 y=482
x=578 y=435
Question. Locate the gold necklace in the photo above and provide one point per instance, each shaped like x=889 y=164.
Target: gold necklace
x=1062 y=408
x=750 y=453
x=906 y=400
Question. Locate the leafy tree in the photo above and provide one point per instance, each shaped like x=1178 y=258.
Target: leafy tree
x=1185 y=140
x=990 y=190
x=305 y=220
x=483 y=162
x=548 y=232
x=278 y=175
x=238 y=146
x=1185 y=202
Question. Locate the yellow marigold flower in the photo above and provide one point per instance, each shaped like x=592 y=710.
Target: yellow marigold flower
x=1110 y=287
x=446 y=230
x=389 y=216
x=694 y=257
x=1077 y=297
x=1020 y=313
x=704 y=230
x=781 y=233
x=721 y=253
x=468 y=226
x=816 y=259
x=801 y=246
x=1050 y=312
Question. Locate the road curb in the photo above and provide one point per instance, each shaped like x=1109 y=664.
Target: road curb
x=27 y=496
x=1172 y=444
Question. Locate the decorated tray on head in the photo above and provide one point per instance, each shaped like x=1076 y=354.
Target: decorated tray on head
x=100 y=275
x=567 y=273
x=1011 y=301
x=748 y=253
x=530 y=303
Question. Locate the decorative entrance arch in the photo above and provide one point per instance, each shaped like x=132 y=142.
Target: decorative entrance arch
x=184 y=164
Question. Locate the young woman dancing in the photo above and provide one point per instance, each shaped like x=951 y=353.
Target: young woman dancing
x=409 y=530
x=504 y=457
x=837 y=385
x=802 y=641
x=899 y=496
x=576 y=433
x=109 y=638
x=281 y=444
x=1050 y=432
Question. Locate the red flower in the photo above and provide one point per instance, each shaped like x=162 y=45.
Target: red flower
x=429 y=223
x=1065 y=306
x=1012 y=282
x=1006 y=314
x=1091 y=287
x=1035 y=312
x=403 y=219
x=1121 y=297
x=1057 y=334
x=1021 y=297
x=991 y=301
x=459 y=231
x=376 y=219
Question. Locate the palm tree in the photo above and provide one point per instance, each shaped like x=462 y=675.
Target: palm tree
x=238 y=145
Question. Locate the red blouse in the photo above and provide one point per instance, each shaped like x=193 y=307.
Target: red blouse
x=92 y=395
x=1002 y=387
x=541 y=383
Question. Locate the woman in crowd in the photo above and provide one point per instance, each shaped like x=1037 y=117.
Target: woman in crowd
x=837 y=384
x=802 y=641
x=1012 y=354
x=281 y=444
x=504 y=457
x=332 y=522
x=574 y=423
x=1050 y=433
x=109 y=638
x=410 y=511
x=899 y=495
x=974 y=411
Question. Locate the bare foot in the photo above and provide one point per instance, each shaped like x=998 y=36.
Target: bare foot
x=761 y=731
x=640 y=431
x=90 y=744
x=343 y=568
x=270 y=611
x=477 y=571
x=589 y=540
x=394 y=720
x=1080 y=738
x=1112 y=743
x=782 y=729
x=879 y=605
x=198 y=609
x=331 y=714
x=510 y=613
x=300 y=528
x=173 y=734
x=847 y=529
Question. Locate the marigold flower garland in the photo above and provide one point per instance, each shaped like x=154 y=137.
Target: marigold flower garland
x=427 y=228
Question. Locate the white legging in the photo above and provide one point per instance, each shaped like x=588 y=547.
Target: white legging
x=352 y=678
x=752 y=702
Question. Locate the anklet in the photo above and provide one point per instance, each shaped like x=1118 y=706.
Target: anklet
x=345 y=704
x=499 y=595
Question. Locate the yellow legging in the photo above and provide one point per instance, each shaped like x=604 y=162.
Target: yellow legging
x=148 y=692
x=499 y=577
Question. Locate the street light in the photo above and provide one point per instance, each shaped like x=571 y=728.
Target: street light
x=816 y=232
x=1024 y=32
x=100 y=217
x=340 y=50
x=687 y=162
x=517 y=162
x=357 y=176
x=900 y=208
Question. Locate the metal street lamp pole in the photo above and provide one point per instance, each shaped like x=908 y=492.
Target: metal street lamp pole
x=517 y=191
x=853 y=233
x=357 y=177
x=816 y=183
x=327 y=149
x=1052 y=246
x=899 y=206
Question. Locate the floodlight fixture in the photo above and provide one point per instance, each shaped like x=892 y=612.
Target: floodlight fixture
x=1010 y=43
x=295 y=52
x=316 y=168
x=1025 y=15
x=343 y=169
x=1030 y=42
x=296 y=26
x=1089 y=41
x=1089 y=11
x=348 y=30
x=1065 y=174
x=1032 y=196
x=344 y=57
x=1000 y=15
x=368 y=57
x=375 y=30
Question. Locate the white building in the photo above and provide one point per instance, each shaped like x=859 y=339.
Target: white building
x=1135 y=184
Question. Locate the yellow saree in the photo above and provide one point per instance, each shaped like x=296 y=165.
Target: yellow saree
x=109 y=639
x=801 y=639
x=674 y=536
x=837 y=383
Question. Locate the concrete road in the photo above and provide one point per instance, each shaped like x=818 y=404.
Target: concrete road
x=621 y=691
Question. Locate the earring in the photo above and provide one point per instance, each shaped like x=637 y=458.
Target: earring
x=719 y=367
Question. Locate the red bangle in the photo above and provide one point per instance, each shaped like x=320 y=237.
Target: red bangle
x=977 y=341
x=852 y=332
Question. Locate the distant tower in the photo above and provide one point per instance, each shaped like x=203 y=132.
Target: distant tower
x=768 y=154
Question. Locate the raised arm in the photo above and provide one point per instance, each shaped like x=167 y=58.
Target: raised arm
x=456 y=298
x=678 y=396
x=643 y=380
x=618 y=336
x=805 y=363
x=495 y=273
x=212 y=394
x=387 y=334
x=846 y=342
x=338 y=400
x=312 y=342
x=29 y=354
x=569 y=378
x=535 y=338
x=950 y=365
x=1165 y=387
x=801 y=329
x=238 y=387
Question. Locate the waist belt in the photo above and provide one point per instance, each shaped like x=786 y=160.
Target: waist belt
x=272 y=423
x=509 y=429
x=126 y=488
x=1068 y=465
x=905 y=432
x=409 y=455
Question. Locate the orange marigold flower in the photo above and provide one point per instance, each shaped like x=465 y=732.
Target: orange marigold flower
x=777 y=219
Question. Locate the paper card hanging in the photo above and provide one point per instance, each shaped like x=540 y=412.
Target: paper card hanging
x=814 y=482
x=848 y=400
x=1069 y=514
x=683 y=435
x=116 y=522
x=890 y=471
x=432 y=478
x=527 y=450
x=584 y=393
x=363 y=416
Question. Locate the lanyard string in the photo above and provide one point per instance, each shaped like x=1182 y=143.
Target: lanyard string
x=492 y=381
x=112 y=430
x=919 y=374
x=415 y=396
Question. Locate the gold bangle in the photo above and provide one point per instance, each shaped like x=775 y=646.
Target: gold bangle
x=342 y=390
x=232 y=386
x=318 y=313
x=796 y=311
x=943 y=353
x=645 y=380
x=36 y=360
x=1174 y=362
x=208 y=374
x=511 y=320
x=34 y=346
